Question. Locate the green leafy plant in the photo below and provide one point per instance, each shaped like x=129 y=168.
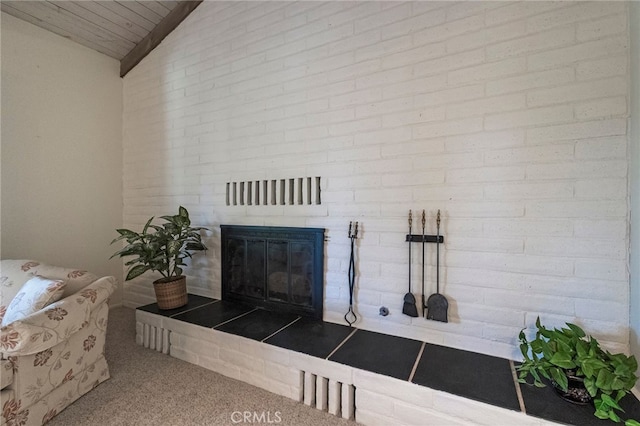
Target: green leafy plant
x=161 y=248
x=554 y=354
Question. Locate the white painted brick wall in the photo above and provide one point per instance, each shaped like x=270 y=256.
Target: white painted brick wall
x=511 y=118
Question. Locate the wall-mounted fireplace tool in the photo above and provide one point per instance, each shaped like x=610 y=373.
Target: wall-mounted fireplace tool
x=437 y=304
x=350 y=317
x=409 y=304
x=424 y=305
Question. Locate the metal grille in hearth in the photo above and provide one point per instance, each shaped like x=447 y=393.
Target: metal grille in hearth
x=291 y=191
x=329 y=395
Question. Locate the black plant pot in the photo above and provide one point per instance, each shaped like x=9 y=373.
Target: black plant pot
x=576 y=392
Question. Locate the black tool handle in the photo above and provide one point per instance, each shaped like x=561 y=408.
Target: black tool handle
x=424 y=221
x=438 y=253
x=350 y=317
x=410 y=222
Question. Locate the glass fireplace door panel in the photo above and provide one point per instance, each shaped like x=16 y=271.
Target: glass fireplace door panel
x=302 y=273
x=254 y=269
x=278 y=270
x=235 y=265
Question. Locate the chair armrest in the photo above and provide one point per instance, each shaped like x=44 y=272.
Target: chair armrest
x=54 y=323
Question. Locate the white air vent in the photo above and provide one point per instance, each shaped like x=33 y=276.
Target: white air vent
x=153 y=337
x=292 y=191
x=329 y=395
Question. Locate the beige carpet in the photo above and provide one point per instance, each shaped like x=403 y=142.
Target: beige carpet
x=149 y=388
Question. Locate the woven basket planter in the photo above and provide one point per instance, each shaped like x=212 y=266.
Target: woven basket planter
x=171 y=294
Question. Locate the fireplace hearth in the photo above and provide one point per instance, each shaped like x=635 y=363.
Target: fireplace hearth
x=276 y=268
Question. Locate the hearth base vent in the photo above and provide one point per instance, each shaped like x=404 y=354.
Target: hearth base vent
x=329 y=395
x=152 y=337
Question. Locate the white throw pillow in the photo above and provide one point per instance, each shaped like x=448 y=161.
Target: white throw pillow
x=34 y=295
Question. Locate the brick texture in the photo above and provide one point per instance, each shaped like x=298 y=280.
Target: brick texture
x=511 y=118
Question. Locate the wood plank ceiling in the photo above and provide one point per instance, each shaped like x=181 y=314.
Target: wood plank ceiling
x=124 y=30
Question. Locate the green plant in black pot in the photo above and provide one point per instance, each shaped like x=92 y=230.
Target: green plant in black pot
x=162 y=248
x=579 y=369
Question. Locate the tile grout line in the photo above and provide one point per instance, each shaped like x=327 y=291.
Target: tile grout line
x=342 y=343
x=234 y=318
x=282 y=328
x=194 y=308
x=414 y=369
x=517 y=384
x=415 y=364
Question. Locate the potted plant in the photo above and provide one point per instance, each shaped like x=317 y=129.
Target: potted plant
x=163 y=248
x=578 y=368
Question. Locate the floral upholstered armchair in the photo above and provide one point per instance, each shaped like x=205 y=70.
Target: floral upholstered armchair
x=52 y=338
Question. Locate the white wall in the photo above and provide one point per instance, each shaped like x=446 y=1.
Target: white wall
x=634 y=178
x=510 y=118
x=61 y=150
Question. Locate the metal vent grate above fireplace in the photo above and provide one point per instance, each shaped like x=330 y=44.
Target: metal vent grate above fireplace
x=276 y=268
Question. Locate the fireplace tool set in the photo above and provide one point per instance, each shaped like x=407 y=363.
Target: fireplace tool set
x=350 y=317
x=436 y=306
x=409 y=305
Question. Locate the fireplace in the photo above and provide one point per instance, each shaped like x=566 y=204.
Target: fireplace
x=276 y=268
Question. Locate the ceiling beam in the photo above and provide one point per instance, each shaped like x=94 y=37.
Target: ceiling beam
x=153 y=39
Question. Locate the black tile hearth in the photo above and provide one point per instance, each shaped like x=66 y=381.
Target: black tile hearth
x=312 y=337
x=193 y=302
x=467 y=374
x=213 y=314
x=631 y=407
x=380 y=353
x=257 y=325
x=547 y=404
x=472 y=375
